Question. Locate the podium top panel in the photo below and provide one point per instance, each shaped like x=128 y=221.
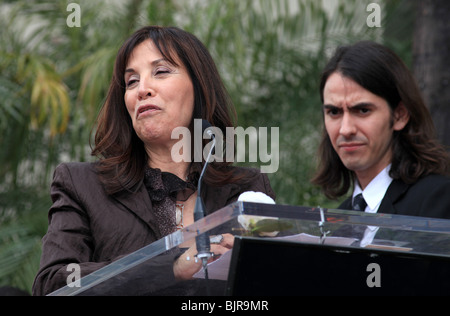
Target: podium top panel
x=299 y=224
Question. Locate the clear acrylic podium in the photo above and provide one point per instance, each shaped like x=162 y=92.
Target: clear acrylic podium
x=290 y=250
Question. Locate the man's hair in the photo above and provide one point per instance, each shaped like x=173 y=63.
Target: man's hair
x=416 y=152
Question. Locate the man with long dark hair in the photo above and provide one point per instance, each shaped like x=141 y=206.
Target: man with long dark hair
x=379 y=137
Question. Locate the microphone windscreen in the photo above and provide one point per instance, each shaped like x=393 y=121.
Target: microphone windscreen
x=205 y=125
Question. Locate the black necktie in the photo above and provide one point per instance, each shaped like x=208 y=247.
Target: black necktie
x=359 y=204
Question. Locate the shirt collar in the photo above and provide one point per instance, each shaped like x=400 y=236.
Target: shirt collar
x=375 y=190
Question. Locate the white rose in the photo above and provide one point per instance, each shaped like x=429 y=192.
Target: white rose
x=256 y=197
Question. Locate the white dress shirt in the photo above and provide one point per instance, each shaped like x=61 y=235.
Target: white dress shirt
x=373 y=195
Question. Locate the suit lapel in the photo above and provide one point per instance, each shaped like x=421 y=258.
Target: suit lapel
x=395 y=191
x=346 y=205
x=139 y=204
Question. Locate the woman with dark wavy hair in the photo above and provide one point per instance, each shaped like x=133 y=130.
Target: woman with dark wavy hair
x=379 y=137
x=137 y=193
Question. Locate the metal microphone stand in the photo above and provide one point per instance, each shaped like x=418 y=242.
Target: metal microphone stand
x=202 y=241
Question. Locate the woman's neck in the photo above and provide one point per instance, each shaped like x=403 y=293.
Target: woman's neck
x=162 y=159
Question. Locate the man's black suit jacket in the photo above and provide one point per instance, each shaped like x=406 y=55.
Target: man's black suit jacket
x=428 y=197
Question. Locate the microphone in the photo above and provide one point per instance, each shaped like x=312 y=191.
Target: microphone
x=199 y=210
x=202 y=241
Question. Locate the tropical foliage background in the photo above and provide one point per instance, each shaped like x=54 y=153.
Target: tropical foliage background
x=53 y=79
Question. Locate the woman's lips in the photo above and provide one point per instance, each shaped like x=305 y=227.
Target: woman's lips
x=148 y=108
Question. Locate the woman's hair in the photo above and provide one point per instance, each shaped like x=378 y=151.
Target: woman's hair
x=416 y=152
x=121 y=152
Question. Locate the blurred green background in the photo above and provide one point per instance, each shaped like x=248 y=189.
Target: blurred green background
x=53 y=80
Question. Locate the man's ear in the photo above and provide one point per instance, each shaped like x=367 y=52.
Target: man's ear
x=401 y=117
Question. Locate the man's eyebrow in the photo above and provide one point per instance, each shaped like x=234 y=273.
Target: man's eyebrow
x=329 y=107
x=353 y=106
x=361 y=105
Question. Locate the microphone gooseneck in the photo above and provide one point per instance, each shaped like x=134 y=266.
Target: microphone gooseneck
x=199 y=210
x=202 y=240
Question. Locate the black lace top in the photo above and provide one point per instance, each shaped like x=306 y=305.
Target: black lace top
x=164 y=189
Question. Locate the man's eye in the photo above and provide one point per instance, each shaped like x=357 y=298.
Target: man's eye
x=364 y=110
x=333 y=112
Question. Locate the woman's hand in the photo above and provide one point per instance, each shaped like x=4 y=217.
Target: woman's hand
x=186 y=266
